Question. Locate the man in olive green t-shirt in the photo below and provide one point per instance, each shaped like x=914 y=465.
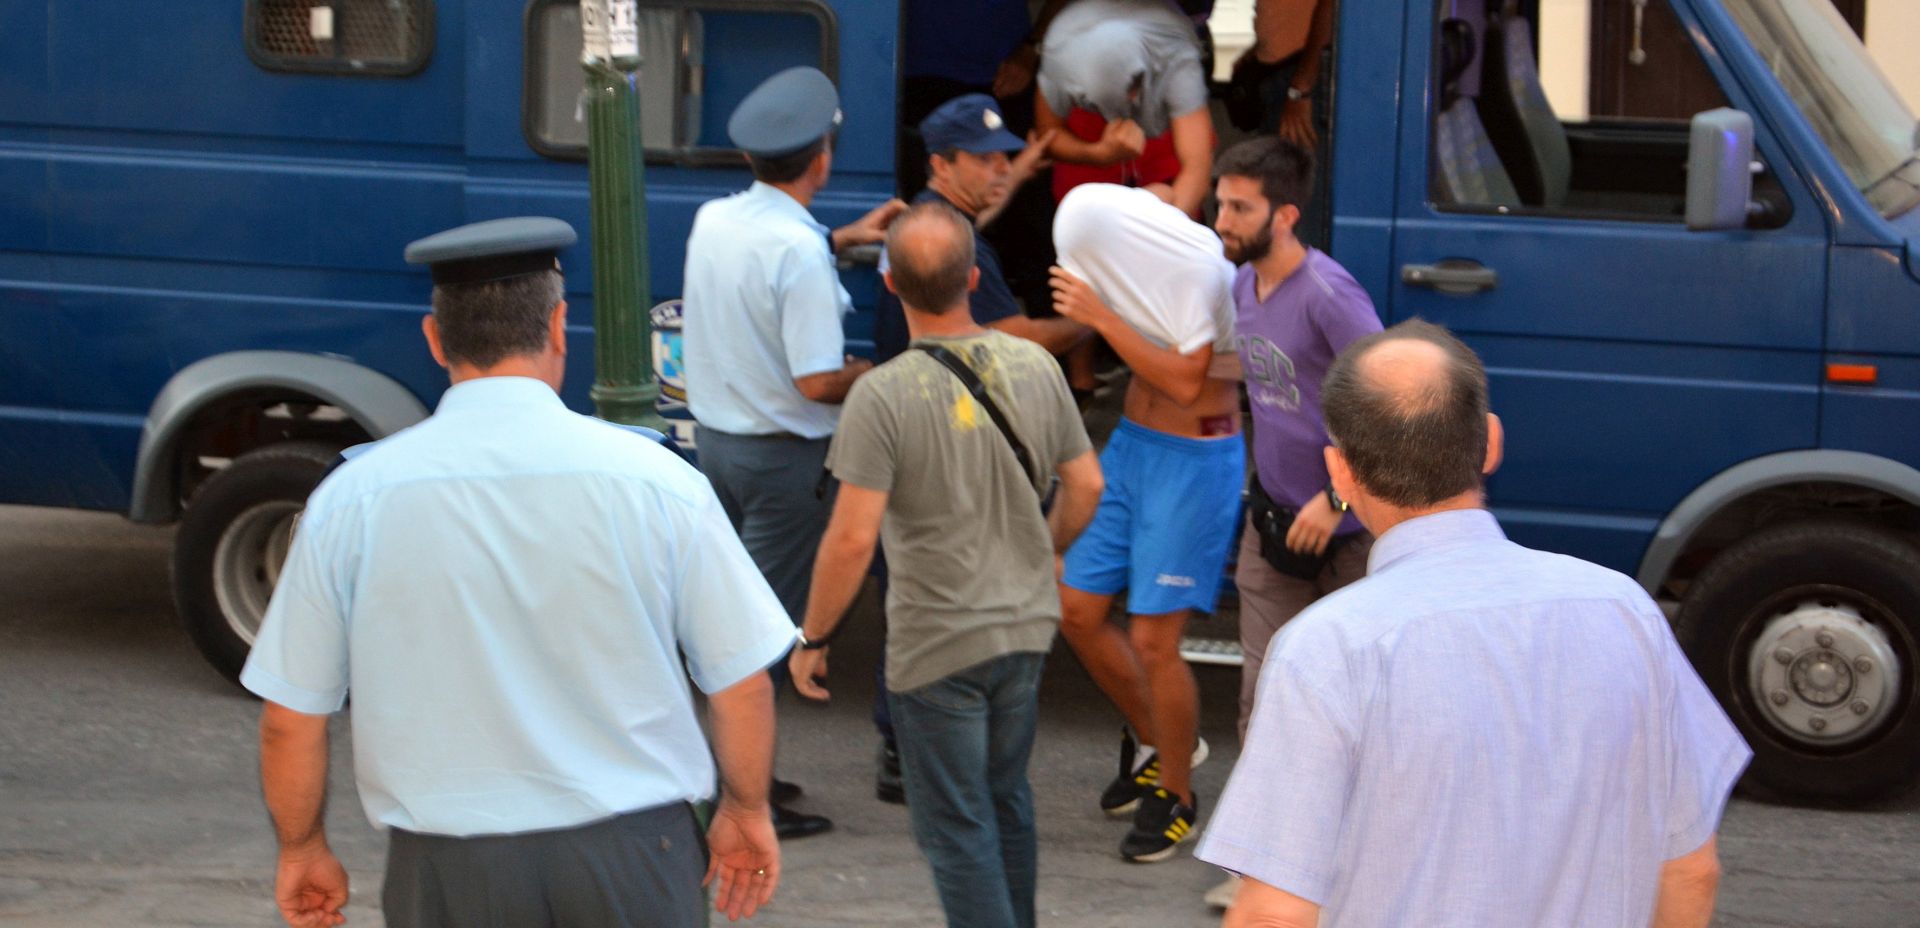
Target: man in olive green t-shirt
x=972 y=606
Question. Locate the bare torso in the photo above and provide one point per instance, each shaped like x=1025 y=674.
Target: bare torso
x=1214 y=414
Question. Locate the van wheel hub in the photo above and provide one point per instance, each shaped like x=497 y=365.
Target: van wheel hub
x=1821 y=673
x=247 y=562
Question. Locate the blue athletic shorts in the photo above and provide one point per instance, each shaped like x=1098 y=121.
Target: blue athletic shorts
x=1166 y=523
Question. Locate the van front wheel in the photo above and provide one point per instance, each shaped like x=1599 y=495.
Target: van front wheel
x=1808 y=635
x=232 y=541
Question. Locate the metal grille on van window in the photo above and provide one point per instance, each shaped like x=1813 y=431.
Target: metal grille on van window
x=344 y=36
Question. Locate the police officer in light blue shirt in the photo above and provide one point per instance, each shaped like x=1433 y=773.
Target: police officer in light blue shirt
x=764 y=357
x=509 y=591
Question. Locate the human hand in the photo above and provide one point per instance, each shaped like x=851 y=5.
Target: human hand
x=1163 y=191
x=310 y=887
x=872 y=227
x=1122 y=140
x=1296 y=123
x=1313 y=526
x=1076 y=299
x=1016 y=73
x=1033 y=158
x=744 y=853
x=809 y=671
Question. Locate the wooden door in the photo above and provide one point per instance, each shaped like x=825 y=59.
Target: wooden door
x=1668 y=81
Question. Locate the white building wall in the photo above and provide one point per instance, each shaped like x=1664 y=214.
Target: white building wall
x=1893 y=33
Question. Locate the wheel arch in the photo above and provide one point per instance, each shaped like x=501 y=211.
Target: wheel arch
x=1736 y=489
x=374 y=406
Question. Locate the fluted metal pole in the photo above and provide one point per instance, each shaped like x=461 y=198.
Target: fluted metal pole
x=624 y=389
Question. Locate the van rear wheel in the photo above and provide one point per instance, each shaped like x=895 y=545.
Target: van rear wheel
x=232 y=541
x=1809 y=635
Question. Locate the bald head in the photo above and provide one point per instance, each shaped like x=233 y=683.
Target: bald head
x=930 y=258
x=1407 y=407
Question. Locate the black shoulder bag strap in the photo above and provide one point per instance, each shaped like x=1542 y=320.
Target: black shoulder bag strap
x=971 y=381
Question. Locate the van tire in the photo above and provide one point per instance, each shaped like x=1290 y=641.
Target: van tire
x=249 y=506
x=1733 y=616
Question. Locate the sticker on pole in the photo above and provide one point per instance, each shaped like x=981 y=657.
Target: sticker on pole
x=593 y=31
x=623 y=29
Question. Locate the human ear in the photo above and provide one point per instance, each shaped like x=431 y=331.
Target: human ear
x=431 y=329
x=1496 y=445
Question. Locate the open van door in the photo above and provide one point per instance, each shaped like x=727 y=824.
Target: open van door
x=527 y=148
x=1553 y=239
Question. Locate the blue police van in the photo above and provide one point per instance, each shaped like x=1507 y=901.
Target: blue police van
x=1697 y=290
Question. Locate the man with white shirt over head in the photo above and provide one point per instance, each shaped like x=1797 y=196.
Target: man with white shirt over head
x=1155 y=285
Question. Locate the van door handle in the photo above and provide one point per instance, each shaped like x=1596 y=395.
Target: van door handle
x=1453 y=276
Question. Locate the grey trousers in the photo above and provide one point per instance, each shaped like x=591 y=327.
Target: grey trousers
x=1268 y=598
x=638 y=870
x=768 y=485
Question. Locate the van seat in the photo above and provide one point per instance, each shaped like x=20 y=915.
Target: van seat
x=1469 y=171
x=1521 y=124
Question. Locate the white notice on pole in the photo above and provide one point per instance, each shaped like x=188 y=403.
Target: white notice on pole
x=593 y=30
x=623 y=29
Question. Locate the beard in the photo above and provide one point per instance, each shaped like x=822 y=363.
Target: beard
x=1244 y=250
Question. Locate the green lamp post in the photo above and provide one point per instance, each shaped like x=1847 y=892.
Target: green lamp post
x=624 y=389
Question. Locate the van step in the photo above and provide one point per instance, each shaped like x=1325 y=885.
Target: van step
x=1211 y=651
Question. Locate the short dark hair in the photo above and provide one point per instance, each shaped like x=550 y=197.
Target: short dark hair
x=1410 y=445
x=787 y=168
x=485 y=323
x=930 y=280
x=1284 y=170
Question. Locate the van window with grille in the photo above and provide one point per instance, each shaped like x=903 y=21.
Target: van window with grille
x=374 y=38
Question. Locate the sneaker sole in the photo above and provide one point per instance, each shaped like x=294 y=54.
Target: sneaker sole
x=1221 y=897
x=1156 y=856
x=1122 y=811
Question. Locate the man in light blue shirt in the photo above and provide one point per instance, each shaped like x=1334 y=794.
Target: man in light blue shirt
x=1477 y=733
x=509 y=590
x=764 y=355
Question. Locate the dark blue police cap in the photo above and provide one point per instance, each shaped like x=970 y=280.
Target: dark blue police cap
x=497 y=249
x=969 y=123
x=785 y=114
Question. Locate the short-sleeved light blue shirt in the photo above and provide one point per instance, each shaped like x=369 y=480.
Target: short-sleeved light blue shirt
x=1475 y=734
x=508 y=590
x=763 y=307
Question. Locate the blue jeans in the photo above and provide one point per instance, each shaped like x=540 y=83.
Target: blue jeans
x=964 y=744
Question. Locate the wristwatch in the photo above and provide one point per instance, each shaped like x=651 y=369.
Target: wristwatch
x=800 y=635
x=1295 y=94
x=1333 y=499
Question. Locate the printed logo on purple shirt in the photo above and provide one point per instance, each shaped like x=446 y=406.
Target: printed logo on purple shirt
x=1270 y=374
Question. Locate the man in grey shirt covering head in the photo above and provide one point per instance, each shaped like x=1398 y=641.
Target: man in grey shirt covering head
x=972 y=608
x=1477 y=733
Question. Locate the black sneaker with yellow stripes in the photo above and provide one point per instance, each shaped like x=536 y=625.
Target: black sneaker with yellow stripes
x=1122 y=796
x=1159 y=826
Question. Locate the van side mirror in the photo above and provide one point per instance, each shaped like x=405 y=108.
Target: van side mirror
x=1719 y=170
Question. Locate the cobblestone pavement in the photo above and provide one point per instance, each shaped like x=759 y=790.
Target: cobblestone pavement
x=128 y=793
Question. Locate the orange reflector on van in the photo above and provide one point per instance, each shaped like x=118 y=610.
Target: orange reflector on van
x=1853 y=373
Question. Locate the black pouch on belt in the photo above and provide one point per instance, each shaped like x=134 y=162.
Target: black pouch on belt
x=1272 y=520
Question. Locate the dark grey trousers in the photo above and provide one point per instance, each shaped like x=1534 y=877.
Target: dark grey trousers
x=768 y=485
x=639 y=870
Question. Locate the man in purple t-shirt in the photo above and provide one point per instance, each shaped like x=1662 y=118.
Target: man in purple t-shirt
x=1296 y=309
